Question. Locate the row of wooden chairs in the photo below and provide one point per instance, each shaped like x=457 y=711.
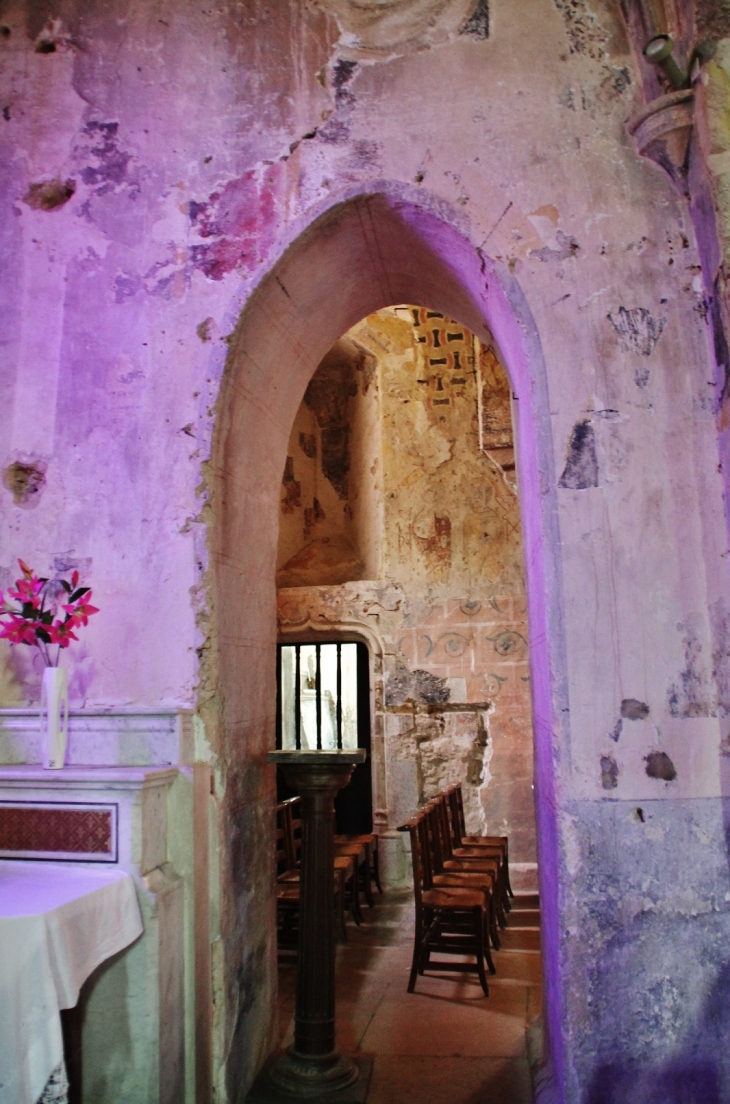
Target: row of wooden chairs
x=356 y=868
x=461 y=887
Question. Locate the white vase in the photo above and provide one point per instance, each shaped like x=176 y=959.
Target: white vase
x=54 y=701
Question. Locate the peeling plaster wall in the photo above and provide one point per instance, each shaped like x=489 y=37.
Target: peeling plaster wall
x=197 y=143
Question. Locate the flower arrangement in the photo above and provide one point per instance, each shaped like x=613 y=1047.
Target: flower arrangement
x=41 y=618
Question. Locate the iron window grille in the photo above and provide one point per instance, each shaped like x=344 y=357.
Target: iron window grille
x=318 y=696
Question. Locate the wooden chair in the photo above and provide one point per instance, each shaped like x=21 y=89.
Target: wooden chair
x=355 y=851
x=288 y=843
x=371 y=840
x=449 y=873
x=354 y=846
x=456 y=806
x=470 y=860
x=293 y=828
x=287 y=893
x=358 y=852
x=449 y=921
x=480 y=848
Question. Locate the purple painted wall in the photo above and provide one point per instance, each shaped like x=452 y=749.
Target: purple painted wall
x=177 y=204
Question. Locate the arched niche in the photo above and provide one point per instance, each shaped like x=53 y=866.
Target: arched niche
x=363 y=254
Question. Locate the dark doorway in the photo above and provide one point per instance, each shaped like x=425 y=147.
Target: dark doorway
x=323 y=701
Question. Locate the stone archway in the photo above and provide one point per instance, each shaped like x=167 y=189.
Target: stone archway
x=364 y=254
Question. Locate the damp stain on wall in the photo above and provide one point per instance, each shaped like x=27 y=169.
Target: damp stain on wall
x=634 y=710
x=25 y=481
x=49 y=195
x=609 y=772
x=660 y=766
x=416 y=687
x=581 y=464
x=637 y=329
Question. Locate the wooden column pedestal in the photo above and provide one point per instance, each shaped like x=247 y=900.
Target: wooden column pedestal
x=312 y=1067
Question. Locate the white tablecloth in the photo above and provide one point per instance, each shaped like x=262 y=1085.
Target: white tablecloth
x=57 y=924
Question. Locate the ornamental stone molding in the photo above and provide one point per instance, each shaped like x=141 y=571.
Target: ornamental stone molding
x=662 y=131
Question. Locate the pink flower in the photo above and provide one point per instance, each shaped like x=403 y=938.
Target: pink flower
x=19 y=631
x=62 y=633
x=80 y=612
x=38 y=600
x=28 y=590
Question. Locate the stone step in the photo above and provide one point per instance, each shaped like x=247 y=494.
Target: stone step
x=520 y=939
x=523 y=918
x=525 y=900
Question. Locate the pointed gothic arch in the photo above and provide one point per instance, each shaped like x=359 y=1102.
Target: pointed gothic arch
x=365 y=253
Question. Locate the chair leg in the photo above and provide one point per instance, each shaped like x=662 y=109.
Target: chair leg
x=376 y=868
x=340 y=905
x=506 y=891
x=424 y=959
x=501 y=918
x=487 y=951
x=414 y=971
x=417 y=952
x=479 y=922
x=506 y=878
x=355 y=910
x=493 y=927
x=366 y=882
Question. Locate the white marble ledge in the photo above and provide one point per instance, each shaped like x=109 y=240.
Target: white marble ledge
x=86 y=778
x=140 y=795
x=123 y=736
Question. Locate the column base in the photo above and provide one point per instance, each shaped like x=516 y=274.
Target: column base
x=292 y=1077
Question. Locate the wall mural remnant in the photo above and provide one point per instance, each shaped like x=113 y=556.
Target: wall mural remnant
x=372 y=29
x=449 y=513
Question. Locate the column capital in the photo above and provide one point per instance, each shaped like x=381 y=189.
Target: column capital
x=317 y=772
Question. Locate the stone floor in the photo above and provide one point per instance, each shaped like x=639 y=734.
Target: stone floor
x=446 y=1043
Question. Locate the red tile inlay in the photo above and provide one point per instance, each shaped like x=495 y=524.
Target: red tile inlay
x=78 y=831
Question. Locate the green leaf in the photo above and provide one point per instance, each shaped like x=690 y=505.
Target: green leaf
x=79 y=593
x=43 y=635
x=66 y=586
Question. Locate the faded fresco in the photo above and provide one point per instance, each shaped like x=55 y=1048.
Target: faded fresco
x=400 y=476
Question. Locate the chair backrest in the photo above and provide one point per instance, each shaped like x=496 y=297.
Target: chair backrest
x=446 y=837
x=457 y=804
x=430 y=847
x=433 y=833
x=455 y=813
x=293 y=821
x=414 y=827
x=283 y=849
